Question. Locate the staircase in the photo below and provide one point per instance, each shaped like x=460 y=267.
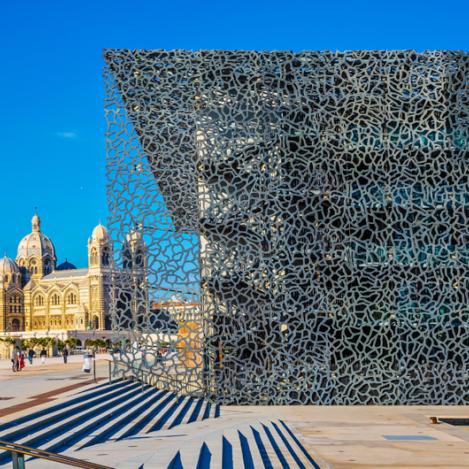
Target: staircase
x=262 y=445
x=106 y=412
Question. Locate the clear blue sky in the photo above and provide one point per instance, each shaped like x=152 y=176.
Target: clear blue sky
x=51 y=126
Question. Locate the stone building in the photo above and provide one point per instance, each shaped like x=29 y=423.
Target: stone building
x=38 y=296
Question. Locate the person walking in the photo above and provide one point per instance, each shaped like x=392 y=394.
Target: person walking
x=31 y=354
x=43 y=356
x=14 y=359
x=18 y=359
x=65 y=354
x=21 y=360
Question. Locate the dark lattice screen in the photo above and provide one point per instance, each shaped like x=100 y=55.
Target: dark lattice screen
x=304 y=218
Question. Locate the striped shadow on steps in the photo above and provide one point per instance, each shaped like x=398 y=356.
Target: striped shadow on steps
x=268 y=445
x=102 y=413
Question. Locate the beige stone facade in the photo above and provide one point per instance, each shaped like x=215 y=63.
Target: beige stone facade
x=37 y=295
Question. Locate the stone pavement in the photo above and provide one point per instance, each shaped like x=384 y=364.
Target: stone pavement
x=38 y=383
x=341 y=437
x=334 y=437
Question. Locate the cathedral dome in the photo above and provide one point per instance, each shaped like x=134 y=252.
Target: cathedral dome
x=9 y=270
x=8 y=266
x=36 y=244
x=100 y=233
x=66 y=266
x=36 y=253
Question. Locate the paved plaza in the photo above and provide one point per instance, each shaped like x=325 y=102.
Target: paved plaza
x=127 y=425
x=37 y=384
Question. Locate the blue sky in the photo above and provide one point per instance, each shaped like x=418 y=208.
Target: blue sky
x=51 y=126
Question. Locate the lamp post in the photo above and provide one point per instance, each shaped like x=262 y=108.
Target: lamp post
x=94 y=365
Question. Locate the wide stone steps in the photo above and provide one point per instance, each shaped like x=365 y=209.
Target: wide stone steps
x=270 y=445
x=105 y=412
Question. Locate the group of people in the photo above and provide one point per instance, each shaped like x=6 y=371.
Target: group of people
x=18 y=357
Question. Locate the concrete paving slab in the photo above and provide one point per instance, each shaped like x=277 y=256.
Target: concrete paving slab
x=371 y=437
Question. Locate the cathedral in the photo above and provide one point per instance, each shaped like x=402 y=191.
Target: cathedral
x=38 y=296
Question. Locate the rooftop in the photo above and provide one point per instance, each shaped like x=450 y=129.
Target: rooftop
x=58 y=274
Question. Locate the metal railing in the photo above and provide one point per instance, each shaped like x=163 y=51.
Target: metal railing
x=18 y=452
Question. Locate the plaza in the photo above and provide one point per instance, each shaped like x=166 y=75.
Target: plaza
x=303 y=436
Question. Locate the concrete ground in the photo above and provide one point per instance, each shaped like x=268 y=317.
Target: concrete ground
x=336 y=437
x=37 y=384
x=370 y=437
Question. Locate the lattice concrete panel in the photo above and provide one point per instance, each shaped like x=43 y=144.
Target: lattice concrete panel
x=304 y=218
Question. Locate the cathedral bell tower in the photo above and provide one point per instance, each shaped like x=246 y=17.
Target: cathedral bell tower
x=99 y=277
x=99 y=249
x=134 y=260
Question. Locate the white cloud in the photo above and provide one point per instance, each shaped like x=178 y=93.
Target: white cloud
x=69 y=134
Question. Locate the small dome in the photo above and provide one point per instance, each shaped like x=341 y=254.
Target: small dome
x=8 y=266
x=100 y=234
x=9 y=271
x=66 y=266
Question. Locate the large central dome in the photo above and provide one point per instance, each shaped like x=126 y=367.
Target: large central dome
x=36 y=245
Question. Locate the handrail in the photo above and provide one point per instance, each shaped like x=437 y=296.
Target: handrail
x=21 y=450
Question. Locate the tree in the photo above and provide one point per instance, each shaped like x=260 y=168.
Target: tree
x=98 y=343
x=71 y=342
x=8 y=340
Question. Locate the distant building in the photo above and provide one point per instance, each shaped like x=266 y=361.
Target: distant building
x=39 y=296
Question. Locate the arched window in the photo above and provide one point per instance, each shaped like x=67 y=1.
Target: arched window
x=105 y=257
x=6 y=278
x=95 y=322
x=39 y=300
x=15 y=299
x=93 y=256
x=55 y=299
x=139 y=259
x=15 y=325
x=71 y=299
x=127 y=259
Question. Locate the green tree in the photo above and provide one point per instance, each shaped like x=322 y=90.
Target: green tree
x=8 y=340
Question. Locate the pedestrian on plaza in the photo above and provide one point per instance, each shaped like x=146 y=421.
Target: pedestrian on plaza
x=21 y=360
x=31 y=354
x=18 y=355
x=43 y=356
x=87 y=358
x=14 y=359
x=65 y=354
